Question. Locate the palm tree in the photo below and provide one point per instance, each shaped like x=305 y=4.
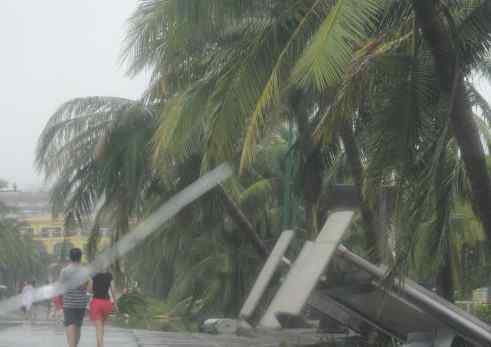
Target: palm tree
x=348 y=80
x=207 y=258
x=331 y=64
x=455 y=48
x=237 y=72
x=98 y=149
x=19 y=258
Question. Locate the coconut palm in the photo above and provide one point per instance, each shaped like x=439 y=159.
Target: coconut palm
x=397 y=36
x=332 y=67
x=206 y=258
x=98 y=149
x=235 y=77
x=456 y=46
x=19 y=258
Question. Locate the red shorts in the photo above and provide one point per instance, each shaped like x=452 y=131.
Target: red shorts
x=58 y=302
x=100 y=309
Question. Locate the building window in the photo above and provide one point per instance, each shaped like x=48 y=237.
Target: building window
x=85 y=231
x=54 y=232
x=105 y=232
x=27 y=231
x=71 y=232
x=45 y=232
x=62 y=249
x=41 y=249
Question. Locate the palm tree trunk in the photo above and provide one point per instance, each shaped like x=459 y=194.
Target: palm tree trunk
x=444 y=280
x=243 y=223
x=312 y=184
x=461 y=116
x=122 y=228
x=311 y=164
x=117 y=267
x=353 y=157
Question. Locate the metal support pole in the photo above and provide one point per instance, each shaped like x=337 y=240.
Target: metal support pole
x=463 y=323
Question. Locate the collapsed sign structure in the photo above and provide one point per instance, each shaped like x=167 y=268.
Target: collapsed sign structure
x=363 y=300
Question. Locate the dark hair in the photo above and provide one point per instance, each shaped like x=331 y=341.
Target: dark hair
x=76 y=255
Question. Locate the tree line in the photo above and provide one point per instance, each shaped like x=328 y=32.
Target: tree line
x=299 y=96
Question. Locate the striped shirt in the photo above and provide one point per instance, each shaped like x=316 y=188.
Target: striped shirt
x=74 y=297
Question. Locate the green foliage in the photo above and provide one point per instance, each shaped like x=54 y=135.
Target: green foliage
x=97 y=151
x=483 y=312
x=132 y=303
x=266 y=84
x=142 y=312
x=346 y=24
x=19 y=258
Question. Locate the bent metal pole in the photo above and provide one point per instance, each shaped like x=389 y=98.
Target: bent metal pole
x=151 y=224
x=463 y=323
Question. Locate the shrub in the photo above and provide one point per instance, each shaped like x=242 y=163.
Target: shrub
x=483 y=312
x=132 y=303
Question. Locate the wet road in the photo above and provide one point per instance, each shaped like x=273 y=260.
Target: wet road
x=19 y=334
x=51 y=334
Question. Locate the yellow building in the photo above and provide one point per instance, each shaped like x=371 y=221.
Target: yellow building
x=53 y=239
x=50 y=235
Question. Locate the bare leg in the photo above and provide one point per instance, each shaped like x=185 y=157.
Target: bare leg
x=78 y=334
x=99 y=331
x=71 y=335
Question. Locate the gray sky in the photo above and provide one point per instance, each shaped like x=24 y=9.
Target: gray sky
x=485 y=88
x=52 y=51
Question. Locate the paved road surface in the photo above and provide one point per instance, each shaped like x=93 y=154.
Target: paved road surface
x=52 y=335
x=14 y=332
x=19 y=334
x=49 y=334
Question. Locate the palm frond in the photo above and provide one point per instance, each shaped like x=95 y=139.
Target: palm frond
x=474 y=32
x=347 y=25
x=270 y=92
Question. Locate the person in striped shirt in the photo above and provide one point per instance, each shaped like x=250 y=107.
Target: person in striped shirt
x=75 y=298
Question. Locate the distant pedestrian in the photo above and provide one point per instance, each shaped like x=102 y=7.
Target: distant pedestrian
x=27 y=300
x=74 y=281
x=103 y=302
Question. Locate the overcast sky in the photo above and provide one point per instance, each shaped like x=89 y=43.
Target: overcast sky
x=485 y=88
x=52 y=51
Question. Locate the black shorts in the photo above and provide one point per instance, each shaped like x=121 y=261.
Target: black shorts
x=73 y=316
